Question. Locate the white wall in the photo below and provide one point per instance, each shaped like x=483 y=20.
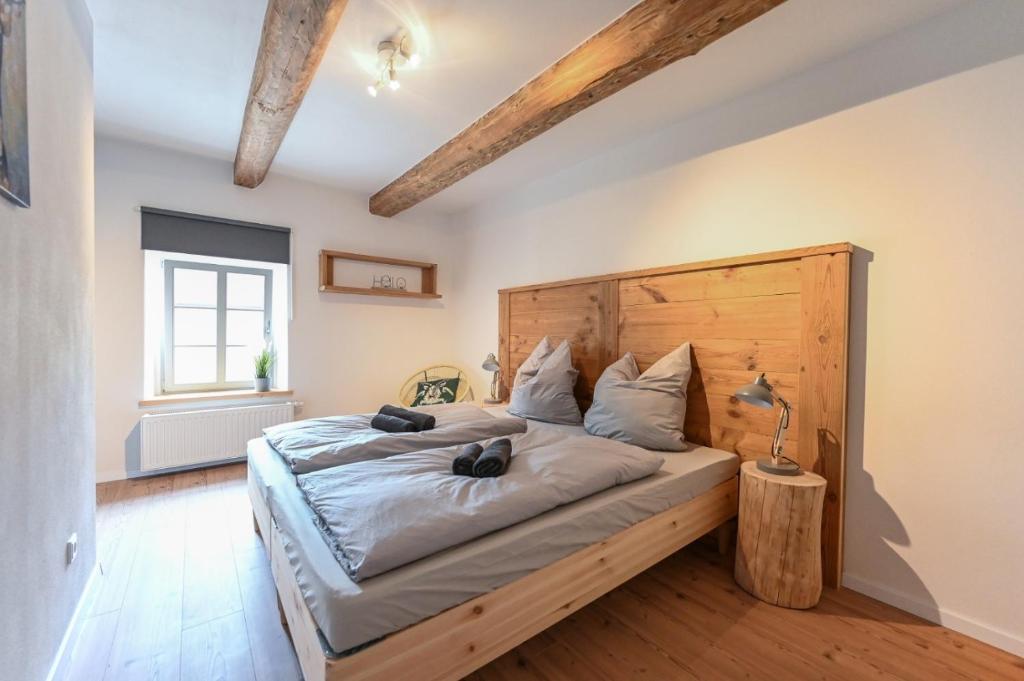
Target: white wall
x=929 y=183
x=347 y=353
x=46 y=303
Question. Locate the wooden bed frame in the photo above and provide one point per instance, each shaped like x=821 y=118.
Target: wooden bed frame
x=784 y=313
x=464 y=638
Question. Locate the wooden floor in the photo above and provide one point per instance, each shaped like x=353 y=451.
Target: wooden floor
x=186 y=593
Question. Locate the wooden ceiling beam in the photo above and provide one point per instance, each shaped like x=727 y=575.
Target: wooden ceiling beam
x=650 y=36
x=294 y=39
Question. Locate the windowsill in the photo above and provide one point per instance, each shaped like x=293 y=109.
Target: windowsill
x=216 y=396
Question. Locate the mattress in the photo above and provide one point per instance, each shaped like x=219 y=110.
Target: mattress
x=351 y=615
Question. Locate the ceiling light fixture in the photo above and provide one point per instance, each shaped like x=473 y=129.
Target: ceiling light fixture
x=392 y=55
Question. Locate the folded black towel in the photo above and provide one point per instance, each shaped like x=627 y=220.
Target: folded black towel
x=392 y=424
x=494 y=460
x=422 y=421
x=463 y=463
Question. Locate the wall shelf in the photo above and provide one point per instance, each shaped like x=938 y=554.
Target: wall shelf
x=428 y=276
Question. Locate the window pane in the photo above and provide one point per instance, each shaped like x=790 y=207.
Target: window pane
x=195 y=365
x=238 y=364
x=246 y=290
x=195 y=326
x=195 y=287
x=245 y=328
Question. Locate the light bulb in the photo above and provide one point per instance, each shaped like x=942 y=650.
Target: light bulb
x=372 y=90
x=394 y=85
x=415 y=60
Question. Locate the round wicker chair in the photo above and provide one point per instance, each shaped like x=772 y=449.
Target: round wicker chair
x=408 y=392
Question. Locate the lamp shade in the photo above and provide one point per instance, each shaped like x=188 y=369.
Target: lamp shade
x=758 y=393
x=491 y=363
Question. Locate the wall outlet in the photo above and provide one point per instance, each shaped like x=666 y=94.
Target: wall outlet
x=71 y=548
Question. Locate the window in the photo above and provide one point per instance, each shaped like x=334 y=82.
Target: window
x=216 y=318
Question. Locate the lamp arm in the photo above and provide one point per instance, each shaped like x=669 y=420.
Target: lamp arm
x=780 y=431
x=494 y=386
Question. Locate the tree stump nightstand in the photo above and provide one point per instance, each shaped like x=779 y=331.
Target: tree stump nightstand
x=778 y=552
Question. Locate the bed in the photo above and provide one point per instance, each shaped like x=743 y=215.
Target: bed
x=349 y=615
x=452 y=612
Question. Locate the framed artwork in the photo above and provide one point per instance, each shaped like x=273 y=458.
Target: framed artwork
x=14 y=175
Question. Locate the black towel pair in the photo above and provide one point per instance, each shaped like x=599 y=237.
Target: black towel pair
x=484 y=463
x=397 y=420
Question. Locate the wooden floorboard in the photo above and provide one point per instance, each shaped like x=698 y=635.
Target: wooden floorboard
x=186 y=593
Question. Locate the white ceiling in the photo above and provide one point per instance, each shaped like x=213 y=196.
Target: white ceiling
x=177 y=74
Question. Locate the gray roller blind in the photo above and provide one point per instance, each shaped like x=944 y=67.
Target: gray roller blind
x=168 y=230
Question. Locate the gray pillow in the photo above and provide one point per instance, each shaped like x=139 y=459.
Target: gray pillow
x=531 y=366
x=546 y=395
x=646 y=409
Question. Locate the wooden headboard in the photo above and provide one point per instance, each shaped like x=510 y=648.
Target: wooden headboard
x=783 y=313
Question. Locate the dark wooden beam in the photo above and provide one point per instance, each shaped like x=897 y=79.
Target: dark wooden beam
x=650 y=36
x=295 y=37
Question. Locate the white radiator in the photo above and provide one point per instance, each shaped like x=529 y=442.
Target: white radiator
x=186 y=438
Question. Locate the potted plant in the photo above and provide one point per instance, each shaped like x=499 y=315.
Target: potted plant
x=264 y=363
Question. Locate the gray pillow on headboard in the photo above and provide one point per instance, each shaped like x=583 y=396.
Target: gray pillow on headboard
x=646 y=409
x=545 y=394
x=529 y=368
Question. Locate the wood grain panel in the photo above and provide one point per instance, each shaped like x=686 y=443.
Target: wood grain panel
x=609 y=308
x=578 y=314
x=727 y=382
x=503 y=346
x=577 y=323
x=753 y=318
x=704 y=410
x=583 y=353
x=584 y=296
x=747 y=445
x=768 y=279
x=522 y=346
x=823 y=361
x=716 y=264
x=730 y=354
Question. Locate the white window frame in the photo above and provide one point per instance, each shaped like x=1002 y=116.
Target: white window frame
x=167 y=386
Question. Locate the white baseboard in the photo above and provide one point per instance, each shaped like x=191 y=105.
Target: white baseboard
x=67 y=643
x=965 y=625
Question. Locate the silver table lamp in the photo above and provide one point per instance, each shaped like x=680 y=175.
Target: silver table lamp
x=762 y=394
x=491 y=364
